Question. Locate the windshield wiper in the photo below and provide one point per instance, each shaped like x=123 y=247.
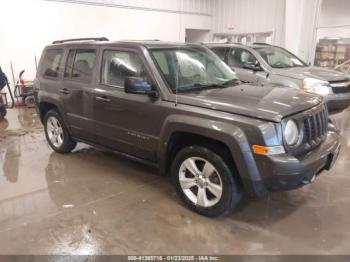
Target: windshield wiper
x=198 y=86
x=202 y=86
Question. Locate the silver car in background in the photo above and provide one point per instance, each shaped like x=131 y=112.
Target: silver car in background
x=263 y=64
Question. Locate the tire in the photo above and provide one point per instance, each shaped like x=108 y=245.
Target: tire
x=3 y=113
x=55 y=127
x=29 y=101
x=212 y=205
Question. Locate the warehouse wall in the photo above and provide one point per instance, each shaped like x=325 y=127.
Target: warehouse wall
x=334 y=19
x=300 y=27
x=250 y=16
x=27 y=26
x=293 y=22
x=335 y=13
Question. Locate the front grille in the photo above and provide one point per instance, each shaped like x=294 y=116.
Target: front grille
x=340 y=87
x=315 y=127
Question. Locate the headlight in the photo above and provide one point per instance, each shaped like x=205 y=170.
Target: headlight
x=291 y=133
x=316 y=86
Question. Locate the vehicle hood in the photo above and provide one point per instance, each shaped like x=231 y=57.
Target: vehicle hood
x=311 y=71
x=269 y=102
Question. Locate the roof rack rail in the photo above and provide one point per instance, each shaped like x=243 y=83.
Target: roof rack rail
x=259 y=43
x=81 y=39
x=141 y=40
x=220 y=43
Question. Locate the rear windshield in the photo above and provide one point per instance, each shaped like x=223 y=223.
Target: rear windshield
x=51 y=62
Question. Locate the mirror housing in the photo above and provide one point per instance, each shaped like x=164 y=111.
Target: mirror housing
x=252 y=66
x=138 y=85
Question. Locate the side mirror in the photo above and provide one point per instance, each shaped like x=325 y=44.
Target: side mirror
x=252 y=66
x=138 y=85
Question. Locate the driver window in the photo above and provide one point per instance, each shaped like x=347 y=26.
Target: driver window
x=238 y=57
x=118 y=65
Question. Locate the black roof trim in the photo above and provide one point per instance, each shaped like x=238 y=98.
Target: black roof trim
x=80 y=39
x=259 y=43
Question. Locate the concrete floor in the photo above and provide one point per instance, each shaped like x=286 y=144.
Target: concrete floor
x=93 y=202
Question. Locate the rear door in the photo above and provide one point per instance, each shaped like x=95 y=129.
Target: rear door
x=77 y=91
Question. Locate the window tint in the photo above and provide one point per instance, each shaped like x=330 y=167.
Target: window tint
x=69 y=64
x=239 y=57
x=186 y=69
x=220 y=52
x=162 y=62
x=83 y=64
x=118 y=65
x=51 y=62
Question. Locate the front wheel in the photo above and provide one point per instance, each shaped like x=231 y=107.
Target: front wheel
x=57 y=134
x=204 y=181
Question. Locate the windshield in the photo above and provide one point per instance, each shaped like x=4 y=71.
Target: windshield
x=278 y=57
x=190 y=68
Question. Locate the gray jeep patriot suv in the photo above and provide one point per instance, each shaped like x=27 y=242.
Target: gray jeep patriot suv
x=181 y=108
x=262 y=64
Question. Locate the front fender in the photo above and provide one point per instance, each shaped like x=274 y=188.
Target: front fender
x=286 y=81
x=232 y=136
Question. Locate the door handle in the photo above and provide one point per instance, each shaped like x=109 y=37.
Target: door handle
x=103 y=99
x=64 y=91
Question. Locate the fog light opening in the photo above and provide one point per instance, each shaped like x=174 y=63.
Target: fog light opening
x=307 y=180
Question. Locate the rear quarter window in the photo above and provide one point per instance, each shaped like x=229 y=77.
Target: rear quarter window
x=51 y=63
x=80 y=64
x=220 y=52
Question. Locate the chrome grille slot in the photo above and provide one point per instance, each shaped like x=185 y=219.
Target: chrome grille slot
x=315 y=127
x=307 y=130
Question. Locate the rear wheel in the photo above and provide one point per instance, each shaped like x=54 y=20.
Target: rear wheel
x=29 y=101
x=204 y=181
x=57 y=134
x=2 y=113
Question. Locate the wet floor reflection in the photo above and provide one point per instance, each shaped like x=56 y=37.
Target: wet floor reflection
x=93 y=202
x=10 y=159
x=20 y=118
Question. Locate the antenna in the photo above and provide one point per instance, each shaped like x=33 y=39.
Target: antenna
x=176 y=77
x=36 y=63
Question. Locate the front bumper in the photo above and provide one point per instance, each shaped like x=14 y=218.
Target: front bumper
x=285 y=172
x=338 y=101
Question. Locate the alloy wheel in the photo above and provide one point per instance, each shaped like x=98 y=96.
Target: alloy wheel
x=200 y=182
x=55 y=131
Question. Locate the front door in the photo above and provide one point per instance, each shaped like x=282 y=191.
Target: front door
x=128 y=123
x=237 y=58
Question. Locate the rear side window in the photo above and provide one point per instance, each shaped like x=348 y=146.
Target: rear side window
x=51 y=62
x=238 y=57
x=220 y=52
x=79 y=65
x=118 y=65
